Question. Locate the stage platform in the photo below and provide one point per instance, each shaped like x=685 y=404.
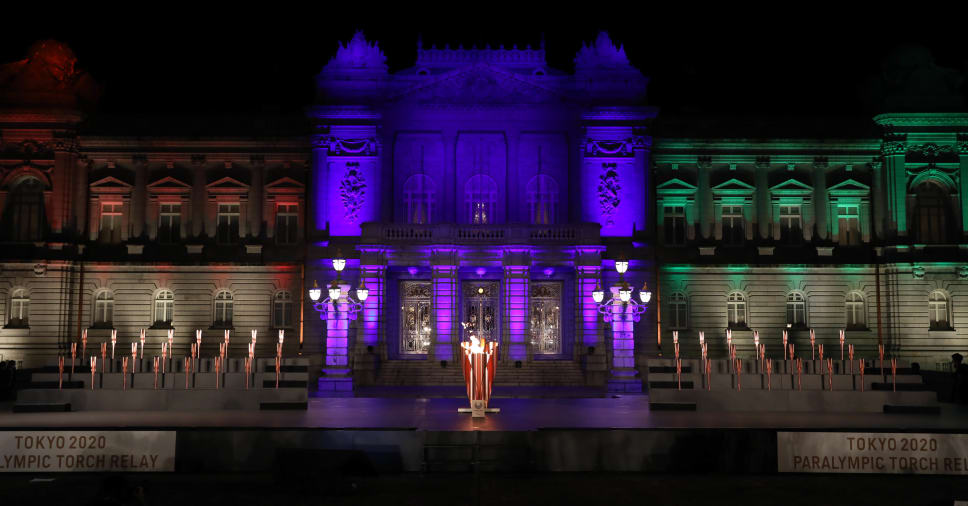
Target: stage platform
x=412 y=435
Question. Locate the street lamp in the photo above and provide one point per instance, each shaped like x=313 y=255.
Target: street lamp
x=631 y=306
x=335 y=292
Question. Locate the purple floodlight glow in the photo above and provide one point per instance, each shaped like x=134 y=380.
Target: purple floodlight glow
x=412 y=271
x=480 y=271
x=548 y=271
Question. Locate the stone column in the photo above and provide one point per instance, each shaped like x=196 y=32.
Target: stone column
x=256 y=190
x=893 y=149
x=139 y=199
x=198 y=196
x=963 y=186
x=877 y=196
x=820 y=197
x=704 y=198
x=763 y=215
x=371 y=340
x=623 y=375
x=444 y=264
x=517 y=274
x=335 y=380
x=588 y=342
x=318 y=191
x=80 y=197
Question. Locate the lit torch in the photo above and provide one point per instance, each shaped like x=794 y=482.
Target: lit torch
x=813 y=339
x=83 y=344
x=60 y=372
x=894 y=373
x=142 y=339
x=73 y=356
x=842 y=337
x=114 y=341
x=124 y=373
x=93 y=369
x=785 y=337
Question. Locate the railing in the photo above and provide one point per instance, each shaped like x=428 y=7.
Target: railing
x=449 y=233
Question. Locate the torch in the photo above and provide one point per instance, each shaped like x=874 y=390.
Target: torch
x=850 y=355
x=813 y=339
x=830 y=374
x=188 y=368
x=880 y=355
x=702 y=338
x=769 y=375
x=124 y=373
x=756 y=342
x=227 y=332
x=134 y=356
x=820 y=349
x=894 y=373
x=60 y=372
x=104 y=355
x=860 y=364
x=679 y=373
x=675 y=342
x=248 y=367
x=93 y=369
x=154 y=365
x=278 y=366
x=142 y=339
x=217 y=370
x=709 y=370
x=164 y=356
x=83 y=344
x=198 y=340
x=799 y=374
x=114 y=341
x=171 y=348
x=842 y=345
x=73 y=356
x=792 y=348
x=785 y=337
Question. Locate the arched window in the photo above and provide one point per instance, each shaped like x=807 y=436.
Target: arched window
x=678 y=316
x=480 y=196
x=856 y=311
x=736 y=310
x=19 y=314
x=164 y=308
x=543 y=200
x=419 y=195
x=931 y=214
x=796 y=310
x=282 y=310
x=939 y=315
x=104 y=309
x=24 y=218
x=224 y=302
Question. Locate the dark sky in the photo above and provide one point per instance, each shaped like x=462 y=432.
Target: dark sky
x=793 y=60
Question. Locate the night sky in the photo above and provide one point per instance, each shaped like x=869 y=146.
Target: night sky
x=798 y=63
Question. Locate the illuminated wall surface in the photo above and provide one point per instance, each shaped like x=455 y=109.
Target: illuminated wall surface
x=481 y=165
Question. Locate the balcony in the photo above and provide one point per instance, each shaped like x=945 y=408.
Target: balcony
x=450 y=233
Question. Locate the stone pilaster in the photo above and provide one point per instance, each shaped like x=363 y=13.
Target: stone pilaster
x=199 y=199
x=256 y=190
x=336 y=379
x=623 y=377
x=139 y=196
x=588 y=341
x=820 y=197
x=371 y=339
x=517 y=273
x=444 y=264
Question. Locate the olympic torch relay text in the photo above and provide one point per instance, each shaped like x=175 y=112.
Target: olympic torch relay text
x=887 y=453
x=87 y=451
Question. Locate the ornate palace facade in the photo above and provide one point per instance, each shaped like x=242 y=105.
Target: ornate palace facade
x=478 y=187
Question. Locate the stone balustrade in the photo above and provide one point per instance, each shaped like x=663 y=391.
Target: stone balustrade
x=449 y=233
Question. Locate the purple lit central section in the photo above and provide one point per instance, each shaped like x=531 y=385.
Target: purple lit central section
x=373 y=276
x=587 y=280
x=445 y=306
x=516 y=291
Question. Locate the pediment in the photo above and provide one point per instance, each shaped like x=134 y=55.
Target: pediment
x=733 y=186
x=226 y=183
x=791 y=186
x=110 y=182
x=479 y=84
x=285 y=183
x=169 y=183
x=675 y=186
x=849 y=186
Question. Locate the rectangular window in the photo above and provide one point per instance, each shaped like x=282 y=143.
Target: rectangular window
x=110 y=223
x=287 y=219
x=791 y=225
x=228 y=223
x=848 y=225
x=169 y=223
x=546 y=318
x=733 y=225
x=674 y=224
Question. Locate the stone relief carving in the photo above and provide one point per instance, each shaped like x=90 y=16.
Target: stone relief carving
x=352 y=191
x=480 y=84
x=609 y=187
x=613 y=148
x=355 y=147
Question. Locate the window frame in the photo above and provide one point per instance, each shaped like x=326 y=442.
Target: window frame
x=677 y=302
x=23 y=301
x=228 y=307
x=787 y=219
x=742 y=300
x=850 y=309
x=671 y=234
x=103 y=309
x=934 y=306
x=228 y=233
x=287 y=219
x=173 y=215
x=285 y=301
x=168 y=305
x=796 y=302
x=546 y=197
x=420 y=191
x=737 y=224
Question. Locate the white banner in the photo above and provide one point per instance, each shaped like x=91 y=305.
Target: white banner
x=864 y=452
x=87 y=451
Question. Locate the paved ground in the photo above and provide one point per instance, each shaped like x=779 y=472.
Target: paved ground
x=516 y=414
x=486 y=489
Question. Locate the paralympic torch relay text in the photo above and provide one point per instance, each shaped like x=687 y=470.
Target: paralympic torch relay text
x=87 y=451
x=887 y=453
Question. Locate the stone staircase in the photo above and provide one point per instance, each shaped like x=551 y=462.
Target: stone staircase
x=535 y=373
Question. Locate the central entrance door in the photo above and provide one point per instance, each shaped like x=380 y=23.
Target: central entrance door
x=479 y=310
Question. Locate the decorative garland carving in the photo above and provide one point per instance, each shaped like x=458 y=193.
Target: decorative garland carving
x=608 y=192
x=932 y=151
x=352 y=192
x=614 y=148
x=894 y=144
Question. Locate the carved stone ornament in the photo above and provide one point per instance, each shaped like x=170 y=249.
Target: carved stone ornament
x=417 y=290
x=918 y=272
x=613 y=148
x=545 y=290
x=932 y=151
x=40 y=270
x=352 y=192
x=352 y=147
x=609 y=187
x=962 y=144
x=963 y=272
x=894 y=144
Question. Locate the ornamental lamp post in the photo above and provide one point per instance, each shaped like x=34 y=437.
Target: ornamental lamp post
x=335 y=294
x=621 y=310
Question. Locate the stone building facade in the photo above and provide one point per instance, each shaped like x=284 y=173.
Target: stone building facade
x=479 y=187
